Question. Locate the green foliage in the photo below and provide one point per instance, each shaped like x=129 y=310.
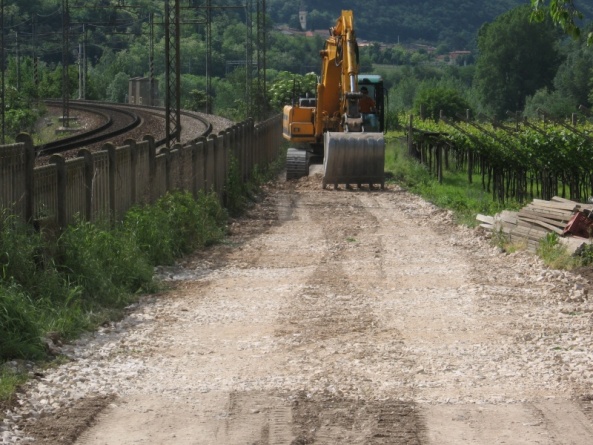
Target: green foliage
x=554 y=103
x=20 y=335
x=197 y=101
x=452 y=23
x=288 y=88
x=573 y=78
x=117 y=90
x=235 y=190
x=585 y=254
x=434 y=100
x=106 y=264
x=563 y=12
x=74 y=281
x=10 y=379
x=517 y=58
x=545 y=159
x=177 y=224
x=555 y=254
x=465 y=200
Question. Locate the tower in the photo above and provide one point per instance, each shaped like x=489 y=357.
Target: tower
x=303 y=17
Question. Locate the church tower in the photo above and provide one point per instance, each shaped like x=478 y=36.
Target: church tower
x=303 y=17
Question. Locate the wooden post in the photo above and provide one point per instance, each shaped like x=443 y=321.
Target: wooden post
x=411 y=136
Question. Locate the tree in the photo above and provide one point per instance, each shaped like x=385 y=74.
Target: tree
x=563 y=13
x=574 y=75
x=517 y=58
x=118 y=88
x=288 y=87
x=434 y=100
x=554 y=103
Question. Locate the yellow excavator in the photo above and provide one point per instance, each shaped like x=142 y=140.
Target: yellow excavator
x=331 y=126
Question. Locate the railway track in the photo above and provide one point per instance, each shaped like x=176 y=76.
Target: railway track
x=121 y=122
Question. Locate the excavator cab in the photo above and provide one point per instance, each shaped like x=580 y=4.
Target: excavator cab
x=375 y=120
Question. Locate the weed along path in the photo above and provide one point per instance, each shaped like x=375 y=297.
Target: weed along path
x=336 y=317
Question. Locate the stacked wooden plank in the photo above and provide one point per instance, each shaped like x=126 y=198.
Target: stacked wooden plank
x=534 y=221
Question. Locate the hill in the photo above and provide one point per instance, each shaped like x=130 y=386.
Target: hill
x=451 y=22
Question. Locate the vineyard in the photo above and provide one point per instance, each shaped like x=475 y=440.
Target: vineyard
x=516 y=160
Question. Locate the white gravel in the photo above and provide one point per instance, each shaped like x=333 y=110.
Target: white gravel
x=537 y=332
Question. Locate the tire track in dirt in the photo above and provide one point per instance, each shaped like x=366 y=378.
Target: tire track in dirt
x=332 y=309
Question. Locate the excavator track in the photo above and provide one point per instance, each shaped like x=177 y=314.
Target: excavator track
x=354 y=158
x=297 y=163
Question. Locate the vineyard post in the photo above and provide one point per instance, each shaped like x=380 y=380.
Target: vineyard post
x=411 y=135
x=470 y=156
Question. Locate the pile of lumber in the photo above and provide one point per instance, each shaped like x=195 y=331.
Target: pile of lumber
x=534 y=221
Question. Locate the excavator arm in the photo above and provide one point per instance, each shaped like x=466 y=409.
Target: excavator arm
x=337 y=92
x=351 y=155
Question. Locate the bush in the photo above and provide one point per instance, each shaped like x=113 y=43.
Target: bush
x=106 y=264
x=436 y=99
x=20 y=335
x=176 y=225
x=83 y=277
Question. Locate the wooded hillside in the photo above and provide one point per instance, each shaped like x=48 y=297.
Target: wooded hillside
x=454 y=23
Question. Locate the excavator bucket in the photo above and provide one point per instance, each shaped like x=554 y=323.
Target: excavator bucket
x=354 y=158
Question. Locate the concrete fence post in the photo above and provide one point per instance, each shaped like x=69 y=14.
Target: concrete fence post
x=60 y=163
x=211 y=163
x=151 y=165
x=133 y=162
x=26 y=140
x=221 y=163
x=110 y=149
x=88 y=183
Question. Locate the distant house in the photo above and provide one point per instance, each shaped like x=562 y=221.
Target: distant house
x=454 y=57
x=141 y=93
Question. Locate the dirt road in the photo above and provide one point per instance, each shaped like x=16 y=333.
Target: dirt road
x=340 y=317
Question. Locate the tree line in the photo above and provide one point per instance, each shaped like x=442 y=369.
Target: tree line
x=522 y=62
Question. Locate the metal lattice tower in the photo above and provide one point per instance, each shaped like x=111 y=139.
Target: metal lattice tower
x=3 y=80
x=65 y=77
x=261 y=57
x=151 y=60
x=209 y=56
x=172 y=70
x=249 y=58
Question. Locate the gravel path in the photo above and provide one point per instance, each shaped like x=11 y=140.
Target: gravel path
x=332 y=317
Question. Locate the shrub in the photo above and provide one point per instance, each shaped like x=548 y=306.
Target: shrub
x=106 y=264
x=176 y=225
x=20 y=336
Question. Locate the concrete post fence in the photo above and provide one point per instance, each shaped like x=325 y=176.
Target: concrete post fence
x=103 y=185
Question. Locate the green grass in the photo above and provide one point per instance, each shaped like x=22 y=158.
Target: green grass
x=467 y=200
x=69 y=282
x=9 y=381
x=555 y=254
x=455 y=193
